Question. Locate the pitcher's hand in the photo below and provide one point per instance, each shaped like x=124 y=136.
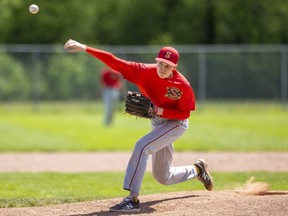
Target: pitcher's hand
x=74 y=46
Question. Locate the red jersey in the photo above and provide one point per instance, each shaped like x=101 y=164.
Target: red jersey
x=174 y=95
x=110 y=78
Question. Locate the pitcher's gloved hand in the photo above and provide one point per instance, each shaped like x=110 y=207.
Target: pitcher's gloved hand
x=140 y=106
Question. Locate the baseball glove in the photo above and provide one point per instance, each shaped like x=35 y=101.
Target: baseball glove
x=138 y=105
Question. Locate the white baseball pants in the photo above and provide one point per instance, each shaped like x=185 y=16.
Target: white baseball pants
x=159 y=143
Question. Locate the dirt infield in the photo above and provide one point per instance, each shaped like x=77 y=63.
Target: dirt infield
x=117 y=161
x=242 y=201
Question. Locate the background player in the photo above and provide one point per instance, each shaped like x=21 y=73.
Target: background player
x=112 y=83
x=173 y=100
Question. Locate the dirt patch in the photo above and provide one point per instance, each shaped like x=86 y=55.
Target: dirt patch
x=117 y=161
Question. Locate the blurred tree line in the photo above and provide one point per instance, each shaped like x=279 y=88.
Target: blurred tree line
x=130 y=22
x=133 y=22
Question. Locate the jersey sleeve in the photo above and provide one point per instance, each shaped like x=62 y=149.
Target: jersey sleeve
x=127 y=68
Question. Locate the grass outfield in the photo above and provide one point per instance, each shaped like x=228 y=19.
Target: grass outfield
x=18 y=189
x=62 y=127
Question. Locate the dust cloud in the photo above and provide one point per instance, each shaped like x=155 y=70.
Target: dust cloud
x=253 y=188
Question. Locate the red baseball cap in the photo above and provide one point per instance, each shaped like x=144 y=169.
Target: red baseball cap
x=169 y=55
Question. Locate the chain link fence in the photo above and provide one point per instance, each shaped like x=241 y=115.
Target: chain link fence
x=216 y=72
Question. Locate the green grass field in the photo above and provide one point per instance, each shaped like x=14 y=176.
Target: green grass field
x=50 y=188
x=72 y=127
x=238 y=126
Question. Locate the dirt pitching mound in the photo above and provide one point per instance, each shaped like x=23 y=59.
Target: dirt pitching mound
x=179 y=203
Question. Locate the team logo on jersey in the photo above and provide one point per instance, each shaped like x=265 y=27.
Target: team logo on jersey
x=173 y=93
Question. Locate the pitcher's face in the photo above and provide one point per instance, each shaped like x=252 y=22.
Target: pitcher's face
x=164 y=70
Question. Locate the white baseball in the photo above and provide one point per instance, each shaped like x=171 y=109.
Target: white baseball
x=33 y=8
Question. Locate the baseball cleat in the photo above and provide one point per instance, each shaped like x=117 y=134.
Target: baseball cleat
x=128 y=205
x=204 y=175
